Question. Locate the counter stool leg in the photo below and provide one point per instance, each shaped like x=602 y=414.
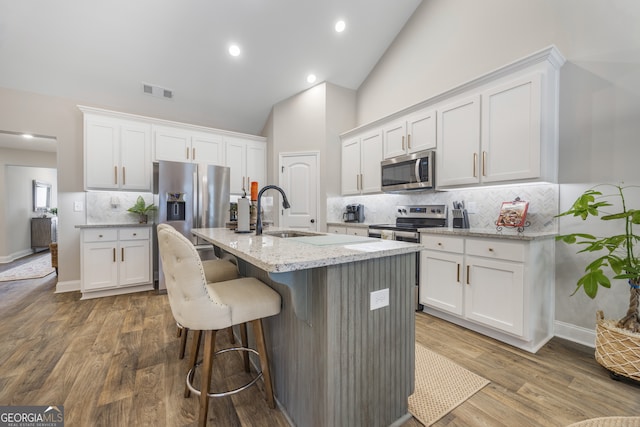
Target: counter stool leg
x=205 y=386
x=193 y=357
x=245 y=344
x=264 y=362
x=232 y=339
x=183 y=342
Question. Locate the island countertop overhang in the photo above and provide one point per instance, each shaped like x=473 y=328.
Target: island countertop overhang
x=276 y=254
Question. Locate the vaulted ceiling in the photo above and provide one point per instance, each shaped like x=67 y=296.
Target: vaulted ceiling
x=101 y=53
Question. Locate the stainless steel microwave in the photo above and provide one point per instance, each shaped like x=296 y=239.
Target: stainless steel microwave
x=409 y=172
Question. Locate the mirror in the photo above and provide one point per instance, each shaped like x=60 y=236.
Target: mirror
x=41 y=196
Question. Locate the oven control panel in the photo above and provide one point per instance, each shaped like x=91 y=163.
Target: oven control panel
x=422 y=211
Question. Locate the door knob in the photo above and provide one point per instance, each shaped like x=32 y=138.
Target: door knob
x=313 y=221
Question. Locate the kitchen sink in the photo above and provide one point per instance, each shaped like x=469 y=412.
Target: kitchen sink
x=290 y=233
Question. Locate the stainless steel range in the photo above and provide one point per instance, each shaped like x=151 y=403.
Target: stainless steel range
x=410 y=219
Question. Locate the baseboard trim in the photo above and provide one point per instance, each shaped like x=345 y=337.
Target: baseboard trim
x=14 y=256
x=574 y=333
x=67 y=286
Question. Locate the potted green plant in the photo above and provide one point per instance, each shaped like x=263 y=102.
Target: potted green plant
x=142 y=209
x=616 y=257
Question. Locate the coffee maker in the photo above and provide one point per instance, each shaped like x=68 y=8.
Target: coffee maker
x=354 y=213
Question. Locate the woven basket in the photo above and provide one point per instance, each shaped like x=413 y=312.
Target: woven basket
x=618 y=350
x=54 y=255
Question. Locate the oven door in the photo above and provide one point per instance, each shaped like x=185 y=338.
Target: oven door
x=409 y=172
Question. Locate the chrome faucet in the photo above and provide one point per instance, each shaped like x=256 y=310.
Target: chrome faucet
x=285 y=204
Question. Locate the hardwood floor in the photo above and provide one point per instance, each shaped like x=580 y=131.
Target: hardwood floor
x=113 y=362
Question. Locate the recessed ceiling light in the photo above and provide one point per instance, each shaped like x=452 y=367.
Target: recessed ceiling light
x=27 y=136
x=234 y=50
x=340 y=26
x=311 y=78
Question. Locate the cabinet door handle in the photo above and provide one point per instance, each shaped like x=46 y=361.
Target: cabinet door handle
x=468 y=275
x=187 y=153
x=115 y=174
x=114 y=254
x=124 y=177
x=403 y=143
x=122 y=254
x=409 y=141
x=193 y=153
x=484 y=163
x=458 y=278
x=475 y=162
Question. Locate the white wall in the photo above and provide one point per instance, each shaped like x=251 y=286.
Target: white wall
x=19 y=206
x=448 y=42
x=10 y=217
x=312 y=121
x=59 y=118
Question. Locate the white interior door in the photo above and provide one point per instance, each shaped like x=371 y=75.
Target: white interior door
x=299 y=180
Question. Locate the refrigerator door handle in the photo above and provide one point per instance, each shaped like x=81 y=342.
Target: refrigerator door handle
x=196 y=196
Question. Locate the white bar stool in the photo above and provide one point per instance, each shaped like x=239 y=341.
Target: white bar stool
x=211 y=307
x=215 y=270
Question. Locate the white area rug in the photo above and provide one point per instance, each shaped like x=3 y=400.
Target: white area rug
x=441 y=385
x=34 y=269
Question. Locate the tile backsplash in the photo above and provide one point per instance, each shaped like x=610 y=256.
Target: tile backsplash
x=111 y=207
x=104 y=207
x=380 y=208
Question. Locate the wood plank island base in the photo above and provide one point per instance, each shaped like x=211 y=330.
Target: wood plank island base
x=335 y=362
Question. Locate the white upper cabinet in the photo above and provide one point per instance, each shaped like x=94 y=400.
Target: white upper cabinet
x=499 y=128
x=187 y=146
x=361 y=157
x=458 y=142
x=117 y=154
x=411 y=133
x=247 y=160
x=511 y=122
x=120 y=150
x=507 y=149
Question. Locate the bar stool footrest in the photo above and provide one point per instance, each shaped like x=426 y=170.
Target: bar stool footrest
x=192 y=371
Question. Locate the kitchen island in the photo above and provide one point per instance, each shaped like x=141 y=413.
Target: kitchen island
x=335 y=361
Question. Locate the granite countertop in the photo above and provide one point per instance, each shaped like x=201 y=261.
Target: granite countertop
x=114 y=225
x=277 y=254
x=506 y=233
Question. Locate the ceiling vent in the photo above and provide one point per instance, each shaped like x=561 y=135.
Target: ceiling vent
x=157 y=91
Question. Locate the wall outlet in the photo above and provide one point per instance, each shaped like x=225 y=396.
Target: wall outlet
x=379 y=299
x=77 y=206
x=472 y=207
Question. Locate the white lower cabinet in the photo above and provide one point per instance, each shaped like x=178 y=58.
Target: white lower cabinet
x=502 y=288
x=115 y=261
x=354 y=231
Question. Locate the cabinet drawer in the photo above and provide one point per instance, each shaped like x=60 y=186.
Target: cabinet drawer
x=100 y=235
x=336 y=230
x=510 y=251
x=442 y=243
x=141 y=233
x=357 y=231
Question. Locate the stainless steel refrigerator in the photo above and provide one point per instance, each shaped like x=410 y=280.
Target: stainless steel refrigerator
x=192 y=196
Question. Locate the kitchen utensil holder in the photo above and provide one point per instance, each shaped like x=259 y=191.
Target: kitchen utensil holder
x=460 y=218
